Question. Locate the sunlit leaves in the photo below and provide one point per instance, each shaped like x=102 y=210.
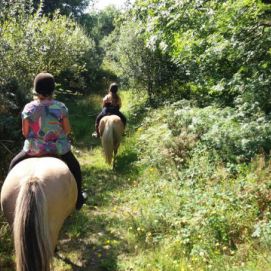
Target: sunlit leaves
x=40 y=43
x=211 y=40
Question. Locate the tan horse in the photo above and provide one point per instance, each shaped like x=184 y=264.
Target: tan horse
x=36 y=197
x=111 y=130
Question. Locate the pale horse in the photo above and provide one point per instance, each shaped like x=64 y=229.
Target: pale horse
x=111 y=129
x=36 y=197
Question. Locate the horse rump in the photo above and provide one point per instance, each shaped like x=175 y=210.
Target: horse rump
x=111 y=130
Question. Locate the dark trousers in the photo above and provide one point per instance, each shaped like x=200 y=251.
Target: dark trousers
x=110 y=111
x=67 y=158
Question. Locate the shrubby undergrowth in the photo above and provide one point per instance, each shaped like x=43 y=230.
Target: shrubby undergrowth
x=207 y=176
x=205 y=161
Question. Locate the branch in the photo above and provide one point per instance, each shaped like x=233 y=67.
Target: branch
x=265 y=24
x=5 y=147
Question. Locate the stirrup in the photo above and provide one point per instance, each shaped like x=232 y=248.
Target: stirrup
x=94 y=134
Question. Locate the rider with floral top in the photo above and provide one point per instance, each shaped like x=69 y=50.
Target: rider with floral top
x=45 y=126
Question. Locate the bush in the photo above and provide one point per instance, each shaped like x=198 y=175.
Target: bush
x=207 y=176
x=36 y=44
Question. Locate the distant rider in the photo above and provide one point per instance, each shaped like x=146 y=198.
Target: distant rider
x=111 y=106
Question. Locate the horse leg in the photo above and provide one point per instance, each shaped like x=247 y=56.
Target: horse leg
x=114 y=161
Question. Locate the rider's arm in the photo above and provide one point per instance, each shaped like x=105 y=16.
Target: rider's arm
x=105 y=101
x=66 y=125
x=25 y=127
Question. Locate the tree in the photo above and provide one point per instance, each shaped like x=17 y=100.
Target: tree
x=136 y=64
x=66 y=7
x=222 y=46
x=99 y=24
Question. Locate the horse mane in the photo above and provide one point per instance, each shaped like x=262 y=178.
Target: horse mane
x=33 y=249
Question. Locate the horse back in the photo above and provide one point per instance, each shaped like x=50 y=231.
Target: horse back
x=57 y=181
x=114 y=121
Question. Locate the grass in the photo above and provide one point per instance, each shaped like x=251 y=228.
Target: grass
x=142 y=217
x=97 y=229
x=6 y=248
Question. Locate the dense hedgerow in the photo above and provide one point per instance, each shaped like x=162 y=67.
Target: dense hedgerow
x=207 y=177
x=182 y=131
x=31 y=45
x=222 y=48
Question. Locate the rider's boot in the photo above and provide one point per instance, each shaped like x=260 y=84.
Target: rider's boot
x=96 y=133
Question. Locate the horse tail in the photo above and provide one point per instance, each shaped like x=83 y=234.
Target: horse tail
x=117 y=135
x=108 y=142
x=33 y=249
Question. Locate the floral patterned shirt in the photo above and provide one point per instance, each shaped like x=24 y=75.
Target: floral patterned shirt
x=46 y=135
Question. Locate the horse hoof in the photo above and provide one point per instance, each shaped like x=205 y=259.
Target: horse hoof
x=95 y=135
x=81 y=200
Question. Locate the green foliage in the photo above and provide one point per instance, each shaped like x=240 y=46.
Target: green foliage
x=5 y=245
x=10 y=134
x=40 y=44
x=136 y=64
x=207 y=205
x=98 y=25
x=16 y=9
x=66 y=7
x=182 y=132
x=221 y=47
